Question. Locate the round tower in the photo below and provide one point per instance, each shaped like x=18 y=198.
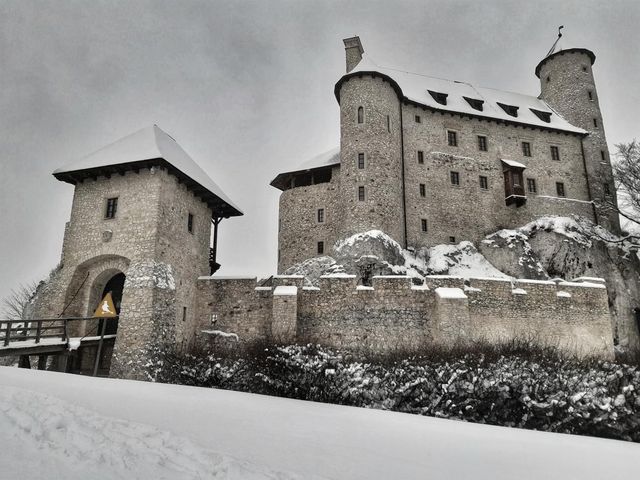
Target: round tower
x=568 y=86
x=371 y=169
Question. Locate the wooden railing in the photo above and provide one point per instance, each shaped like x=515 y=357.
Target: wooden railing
x=22 y=330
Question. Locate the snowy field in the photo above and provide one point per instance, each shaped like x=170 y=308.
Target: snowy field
x=65 y=426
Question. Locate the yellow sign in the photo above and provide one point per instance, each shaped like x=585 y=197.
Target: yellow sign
x=106 y=309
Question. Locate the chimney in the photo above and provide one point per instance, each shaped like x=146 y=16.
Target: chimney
x=353 y=50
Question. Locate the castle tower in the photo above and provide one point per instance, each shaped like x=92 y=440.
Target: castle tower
x=371 y=184
x=140 y=228
x=568 y=86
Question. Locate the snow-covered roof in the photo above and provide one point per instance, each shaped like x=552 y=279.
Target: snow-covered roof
x=415 y=87
x=150 y=143
x=513 y=163
x=326 y=159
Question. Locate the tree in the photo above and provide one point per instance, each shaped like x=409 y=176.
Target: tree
x=15 y=306
x=626 y=173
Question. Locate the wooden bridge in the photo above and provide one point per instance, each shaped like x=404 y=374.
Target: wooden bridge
x=51 y=336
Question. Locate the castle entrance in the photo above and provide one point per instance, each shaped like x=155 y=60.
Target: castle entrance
x=114 y=286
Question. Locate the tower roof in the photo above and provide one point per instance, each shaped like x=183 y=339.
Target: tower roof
x=324 y=160
x=564 y=51
x=145 y=148
x=460 y=97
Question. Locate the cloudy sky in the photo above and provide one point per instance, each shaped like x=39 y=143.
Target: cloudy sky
x=246 y=88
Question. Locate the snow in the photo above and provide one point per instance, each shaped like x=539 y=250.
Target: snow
x=581 y=284
x=461 y=260
x=289 y=276
x=330 y=157
x=44 y=342
x=285 y=290
x=563 y=294
x=450 y=293
x=86 y=427
x=518 y=291
x=363 y=288
x=415 y=87
x=150 y=273
x=74 y=343
x=147 y=144
x=263 y=289
x=590 y=279
x=228 y=277
x=513 y=163
x=220 y=333
x=338 y=275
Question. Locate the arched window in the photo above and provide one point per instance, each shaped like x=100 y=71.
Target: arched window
x=360 y=115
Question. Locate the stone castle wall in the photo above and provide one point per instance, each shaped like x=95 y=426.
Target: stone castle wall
x=393 y=314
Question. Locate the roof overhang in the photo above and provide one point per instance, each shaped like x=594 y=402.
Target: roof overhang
x=282 y=179
x=219 y=207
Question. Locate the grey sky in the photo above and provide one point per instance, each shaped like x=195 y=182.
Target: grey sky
x=246 y=88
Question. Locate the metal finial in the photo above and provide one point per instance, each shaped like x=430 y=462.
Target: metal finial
x=553 y=47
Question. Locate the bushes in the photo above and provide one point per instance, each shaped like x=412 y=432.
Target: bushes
x=511 y=385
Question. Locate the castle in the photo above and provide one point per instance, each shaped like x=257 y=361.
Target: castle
x=425 y=160
x=431 y=161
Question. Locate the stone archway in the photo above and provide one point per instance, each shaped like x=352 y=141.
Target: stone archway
x=114 y=286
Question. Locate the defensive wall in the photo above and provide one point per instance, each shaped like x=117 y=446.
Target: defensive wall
x=395 y=314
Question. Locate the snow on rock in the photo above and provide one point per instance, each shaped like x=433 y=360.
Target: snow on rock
x=285 y=290
x=313 y=268
x=150 y=273
x=450 y=293
x=221 y=334
x=462 y=260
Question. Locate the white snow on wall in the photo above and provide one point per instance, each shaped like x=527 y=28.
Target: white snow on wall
x=455 y=293
x=149 y=273
x=286 y=290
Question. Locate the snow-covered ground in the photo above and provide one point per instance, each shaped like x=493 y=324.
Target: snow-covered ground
x=54 y=425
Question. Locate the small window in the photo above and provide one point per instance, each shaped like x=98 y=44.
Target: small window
x=452 y=138
x=184 y=314
x=418 y=119
x=423 y=225
x=584 y=69
x=595 y=123
x=388 y=124
x=544 y=116
x=420 y=157
x=360 y=115
x=511 y=110
x=560 y=189
x=602 y=155
x=320 y=248
x=439 y=97
x=361 y=161
x=423 y=190
x=112 y=207
x=526 y=149
x=555 y=153
x=361 y=194
x=190 y=223
x=321 y=215
x=484 y=183
x=548 y=78
x=531 y=185
x=590 y=93
x=606 y=188
x=452 y=239
x=455 y=178
x=482 y=143
x=475 y=103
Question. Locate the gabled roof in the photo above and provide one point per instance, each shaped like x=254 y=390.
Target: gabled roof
x=147 y=147
x=324 y=160
x=415 y=87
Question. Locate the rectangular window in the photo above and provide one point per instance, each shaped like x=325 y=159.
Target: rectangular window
x=420 y=156
x=455 y=178
x=112 y=207
x=484 y=183
x=531 y=185
x=184 y=314
x=526 y=149
x=321 y=215
x=590 y=95
x=560 y=189
x=423 y=225
x=452 y=138
x=388 y=124
x=602 y=155
x=190 y=223
x=606 y=188
x=452 y=239
x=595 y=123
x=423 y=190
x=361 y=194
x=418 y=119
x=361 y=161
x=320 y=248
x=482 y=143
x=555 y=153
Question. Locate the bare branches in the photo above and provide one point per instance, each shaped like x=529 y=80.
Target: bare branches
x=626 y=172
x=14 y=306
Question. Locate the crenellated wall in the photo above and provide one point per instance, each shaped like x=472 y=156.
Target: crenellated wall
x=394 y=314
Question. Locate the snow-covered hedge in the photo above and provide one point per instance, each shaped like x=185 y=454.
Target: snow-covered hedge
x=516 y=390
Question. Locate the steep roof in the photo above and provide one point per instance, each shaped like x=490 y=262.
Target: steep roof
x=324 y=160
x=415 y=87
x=144 y=148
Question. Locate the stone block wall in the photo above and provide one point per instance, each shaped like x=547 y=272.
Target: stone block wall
x=393 y=314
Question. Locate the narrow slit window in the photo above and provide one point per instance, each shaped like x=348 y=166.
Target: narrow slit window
x=420 y=157
x=423 y=190
x=184 y=314
x=112 y=208
x=320 y=248
x=190 y=223
x=388 y=124
x=484 y=183
x=602 y=155
x=321 y=215
x=560 y=189
x=423 y=225
x=361 y=161
x=361 y=194
x=590 y=93
x=360 y=115
x=595 y=123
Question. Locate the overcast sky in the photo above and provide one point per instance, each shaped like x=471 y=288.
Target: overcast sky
x=246 y=88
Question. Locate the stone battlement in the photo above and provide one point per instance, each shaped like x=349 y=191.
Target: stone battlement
x=394 y=313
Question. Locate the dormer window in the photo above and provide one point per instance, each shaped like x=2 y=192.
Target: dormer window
x=475 y=103
x=511 y=110
x=544 y=116
x=439 y=97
